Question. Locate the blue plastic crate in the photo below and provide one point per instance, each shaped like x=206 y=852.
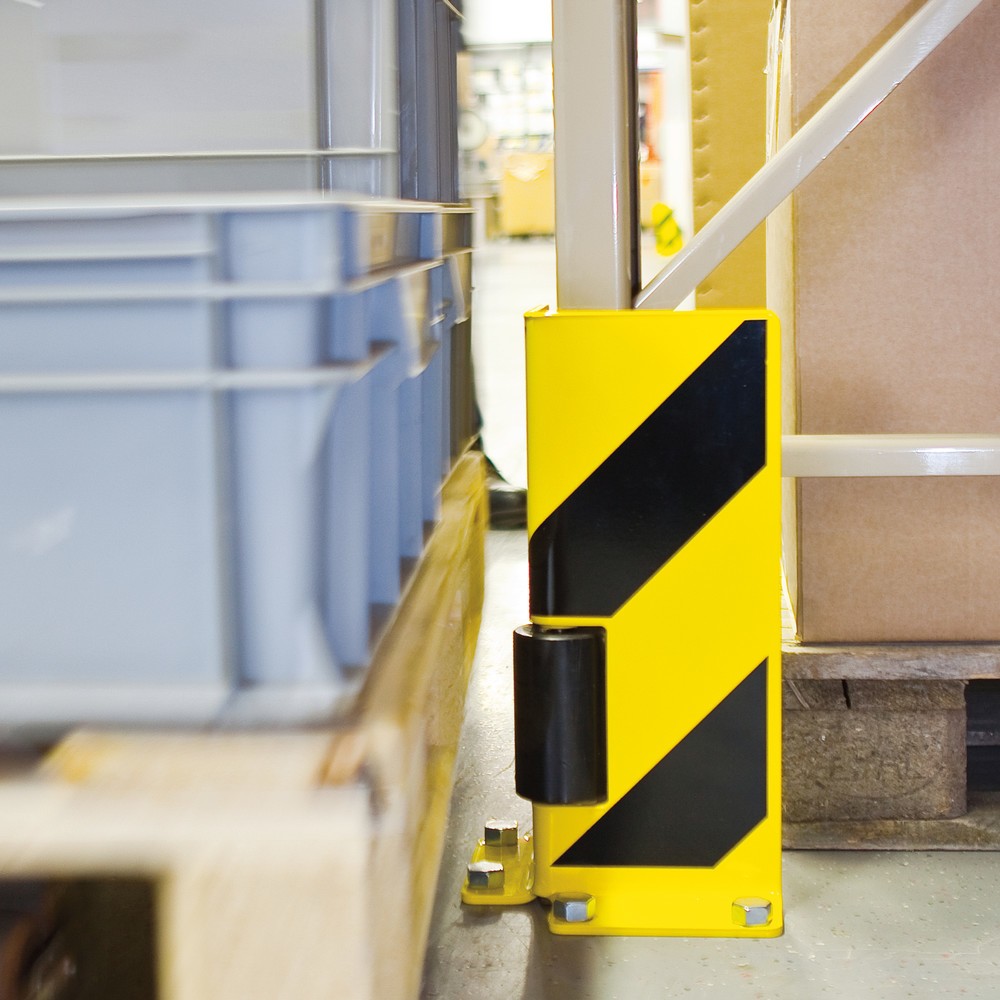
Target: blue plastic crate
x=304 y=88
x=223 y=426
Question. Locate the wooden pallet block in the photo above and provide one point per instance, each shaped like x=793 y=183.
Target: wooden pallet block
x=874 y=747
x=285 y=864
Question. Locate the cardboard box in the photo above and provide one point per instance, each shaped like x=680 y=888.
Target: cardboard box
x=528 y=195
x=882 y=268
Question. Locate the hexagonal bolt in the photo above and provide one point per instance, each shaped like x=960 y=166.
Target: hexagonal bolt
x=751 y=911
x=574 y=908
x=485 y=875
x=501 y=833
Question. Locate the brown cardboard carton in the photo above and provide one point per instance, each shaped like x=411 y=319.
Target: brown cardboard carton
x=883 y=270
x=527 y=195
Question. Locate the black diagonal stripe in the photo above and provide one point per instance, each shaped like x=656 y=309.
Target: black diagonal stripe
x=699 y=802
x=658 y=488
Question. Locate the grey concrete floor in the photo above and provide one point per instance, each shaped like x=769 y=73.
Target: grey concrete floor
x=858 y=925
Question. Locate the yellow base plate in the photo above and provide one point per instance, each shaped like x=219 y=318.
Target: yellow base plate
x=518 y=875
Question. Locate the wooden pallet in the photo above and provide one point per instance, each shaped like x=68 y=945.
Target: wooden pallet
x=295 y=865
x=874 y=747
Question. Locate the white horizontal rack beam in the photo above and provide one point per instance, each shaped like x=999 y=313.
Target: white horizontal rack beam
x=869 y=455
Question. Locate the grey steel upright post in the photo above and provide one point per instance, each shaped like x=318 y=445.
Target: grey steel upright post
x=596 y=140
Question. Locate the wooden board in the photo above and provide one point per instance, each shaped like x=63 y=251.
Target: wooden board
x=893 y=661
x=977 y=830
x=285 y=864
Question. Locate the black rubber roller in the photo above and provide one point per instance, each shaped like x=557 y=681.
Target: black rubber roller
x=560 y=715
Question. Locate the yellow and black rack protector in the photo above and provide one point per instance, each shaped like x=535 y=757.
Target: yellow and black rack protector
x=647 y=687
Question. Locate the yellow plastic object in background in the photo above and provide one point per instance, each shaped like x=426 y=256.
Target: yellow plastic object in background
x=669 y=238
x=527 y=194
x=654 y=513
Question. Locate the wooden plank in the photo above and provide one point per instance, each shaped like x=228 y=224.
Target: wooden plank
x=287 y=864
x=902 y=661
x=410 y=751
x=257 y=898
x=977 y=830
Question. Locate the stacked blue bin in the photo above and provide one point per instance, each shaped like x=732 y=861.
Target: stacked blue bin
x=224 y=423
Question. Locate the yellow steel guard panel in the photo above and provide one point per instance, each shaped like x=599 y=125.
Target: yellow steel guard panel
x=654 y=527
